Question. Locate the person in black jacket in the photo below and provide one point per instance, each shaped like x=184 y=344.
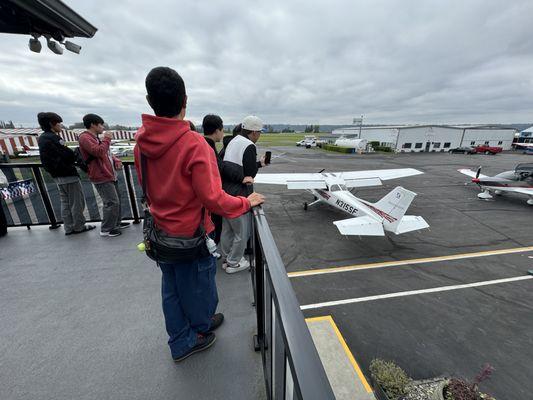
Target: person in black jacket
x=59 y=161
x=213 y=128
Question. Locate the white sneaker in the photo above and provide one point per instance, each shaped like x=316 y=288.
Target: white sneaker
x=241 y=266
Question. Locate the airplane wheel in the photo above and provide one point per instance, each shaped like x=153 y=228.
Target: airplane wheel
x=305 y=206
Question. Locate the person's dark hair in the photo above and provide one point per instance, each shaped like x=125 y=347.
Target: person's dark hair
x=245 y=132
x=47 y=119
x=237 y=129
x=191 y=125
x=211 y=123
x=166 y=91
x=90 y=119
x=226 y=139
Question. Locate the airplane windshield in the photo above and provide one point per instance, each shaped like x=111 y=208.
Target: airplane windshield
x=337 y=188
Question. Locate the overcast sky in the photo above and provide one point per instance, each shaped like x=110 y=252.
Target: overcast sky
x=286 y=61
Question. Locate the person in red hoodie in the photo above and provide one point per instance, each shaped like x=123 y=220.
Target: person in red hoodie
x=183 y=179
x=103 y=168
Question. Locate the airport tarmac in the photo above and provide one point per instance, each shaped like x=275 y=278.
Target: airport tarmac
x=439 y=302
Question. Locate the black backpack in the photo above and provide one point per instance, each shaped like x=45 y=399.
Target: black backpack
x=81 y=162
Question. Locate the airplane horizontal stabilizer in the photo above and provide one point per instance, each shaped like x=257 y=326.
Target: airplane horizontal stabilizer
x=410 y=223
x=361 y=226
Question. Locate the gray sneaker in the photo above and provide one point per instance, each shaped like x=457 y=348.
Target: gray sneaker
x=111 y=233
x=241 y=266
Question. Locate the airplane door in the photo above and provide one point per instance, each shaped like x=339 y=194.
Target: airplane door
x=427 y=146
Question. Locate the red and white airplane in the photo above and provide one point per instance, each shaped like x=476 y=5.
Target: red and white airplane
x=519 y=180
x=368 y=219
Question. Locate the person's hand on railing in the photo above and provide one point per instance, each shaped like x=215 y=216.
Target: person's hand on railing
x=256 y=199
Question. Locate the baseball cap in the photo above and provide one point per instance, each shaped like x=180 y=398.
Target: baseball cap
x=252 y=123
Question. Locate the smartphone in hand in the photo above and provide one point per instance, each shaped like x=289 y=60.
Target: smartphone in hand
x=268 y=156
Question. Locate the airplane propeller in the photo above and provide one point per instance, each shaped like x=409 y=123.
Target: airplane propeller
x=478 y=172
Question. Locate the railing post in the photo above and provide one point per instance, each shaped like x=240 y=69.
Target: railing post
x=259 y=339
x=131 y=194
x=44 y=195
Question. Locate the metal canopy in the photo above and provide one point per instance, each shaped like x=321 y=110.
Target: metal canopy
x=51 y=17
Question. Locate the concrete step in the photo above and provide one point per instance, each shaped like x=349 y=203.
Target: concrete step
x=345 y=376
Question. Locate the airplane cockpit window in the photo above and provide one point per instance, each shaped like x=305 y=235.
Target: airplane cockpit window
x=334 y=188
x=343 y=187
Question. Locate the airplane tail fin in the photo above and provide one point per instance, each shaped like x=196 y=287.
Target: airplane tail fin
x=392 y=209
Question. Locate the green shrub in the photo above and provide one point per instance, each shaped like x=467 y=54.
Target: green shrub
x=338 y=149
x=390 y=377
x=382 y=148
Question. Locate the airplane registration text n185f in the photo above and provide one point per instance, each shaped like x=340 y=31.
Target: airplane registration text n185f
x=368 y=219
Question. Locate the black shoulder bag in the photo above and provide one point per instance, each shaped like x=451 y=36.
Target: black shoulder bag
x=165 y=248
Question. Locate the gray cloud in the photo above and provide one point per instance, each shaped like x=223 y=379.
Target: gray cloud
x=417 y=61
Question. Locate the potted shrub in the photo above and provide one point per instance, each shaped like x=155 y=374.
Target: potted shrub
x=390 y=381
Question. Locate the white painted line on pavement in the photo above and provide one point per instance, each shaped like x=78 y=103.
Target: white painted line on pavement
x=413 y=292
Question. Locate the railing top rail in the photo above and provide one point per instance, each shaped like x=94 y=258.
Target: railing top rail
x=38 y=164
x=308 y=368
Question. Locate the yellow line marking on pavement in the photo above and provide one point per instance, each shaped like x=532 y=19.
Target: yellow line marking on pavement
x=334 y=270
x=354 y=363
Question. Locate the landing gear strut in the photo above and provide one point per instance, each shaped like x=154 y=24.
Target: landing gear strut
x=306 y=206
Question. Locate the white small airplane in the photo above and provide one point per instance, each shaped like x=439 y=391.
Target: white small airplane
x=519 y=180
x=369 y=219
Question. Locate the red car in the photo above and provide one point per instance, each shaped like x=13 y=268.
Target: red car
x=483 y=148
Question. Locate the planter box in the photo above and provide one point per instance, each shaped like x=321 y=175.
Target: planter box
x=381 y=395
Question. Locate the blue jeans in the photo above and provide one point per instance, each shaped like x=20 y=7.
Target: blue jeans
x=190 y=299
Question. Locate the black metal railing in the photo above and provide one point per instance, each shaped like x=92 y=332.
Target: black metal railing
x=32 y=197
x=291 y=363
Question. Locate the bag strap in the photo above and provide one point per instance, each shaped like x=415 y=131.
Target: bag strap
x=144 y=178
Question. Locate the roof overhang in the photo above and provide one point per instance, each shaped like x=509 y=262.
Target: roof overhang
x=44 y=17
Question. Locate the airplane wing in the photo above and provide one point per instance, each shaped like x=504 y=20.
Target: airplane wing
x=293 y=181
x=528 y=191
x=471 y=174
x=352 y=178
x=383 y=174
x=362 y=226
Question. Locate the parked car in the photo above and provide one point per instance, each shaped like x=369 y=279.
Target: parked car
x=462 y=150
x=483 y=148
x=528 y=150
x=307 y=142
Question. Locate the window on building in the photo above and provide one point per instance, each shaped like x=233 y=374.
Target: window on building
x=447 y=145
x=500 y=142
x=473 y=143
x=406 y=146
x=418 y=145
x=487 y=142
x=436 y=145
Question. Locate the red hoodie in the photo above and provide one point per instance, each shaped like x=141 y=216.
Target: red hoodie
x=100 y=168
x=182 y=177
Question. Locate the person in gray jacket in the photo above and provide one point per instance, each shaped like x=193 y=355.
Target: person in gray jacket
x=240 y=153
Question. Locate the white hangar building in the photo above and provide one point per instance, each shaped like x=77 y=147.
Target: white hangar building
x=431 y=138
